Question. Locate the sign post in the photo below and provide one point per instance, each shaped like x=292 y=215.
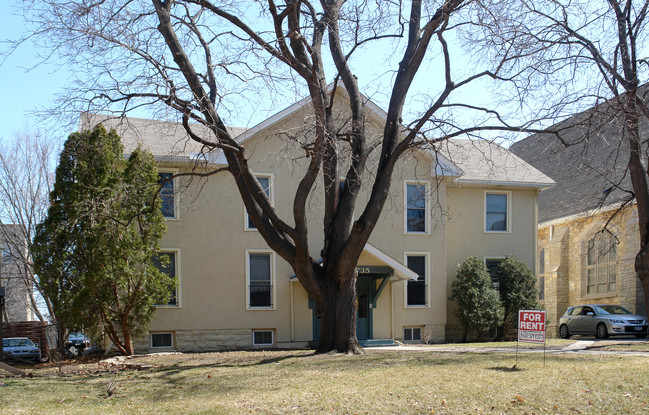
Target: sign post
x=531 y=328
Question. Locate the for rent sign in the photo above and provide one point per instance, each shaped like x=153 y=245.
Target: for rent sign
x=531 y=326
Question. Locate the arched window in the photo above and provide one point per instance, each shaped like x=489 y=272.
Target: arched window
x=601 y=264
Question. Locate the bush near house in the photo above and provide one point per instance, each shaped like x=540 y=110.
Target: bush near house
x=518 y=291
x=479 y=308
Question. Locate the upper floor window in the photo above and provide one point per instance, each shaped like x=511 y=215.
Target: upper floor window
x=416 y=290
x=601 y=264
x=265 y=182
x=260 y=280
x=167 y=263
x=167 y=194
x=415 y=208
x=5 y=252
x=497 y=212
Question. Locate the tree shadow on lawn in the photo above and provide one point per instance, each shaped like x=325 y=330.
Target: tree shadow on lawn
x=512 y=369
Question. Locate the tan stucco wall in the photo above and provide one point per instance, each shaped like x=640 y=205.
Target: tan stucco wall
x=565 y=255
x=212 y=241
x=466 y=234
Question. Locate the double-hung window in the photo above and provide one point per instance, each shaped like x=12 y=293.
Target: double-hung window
x=260 y=278
x=416 y=208
x=167 y=195
x=416 y=294
x=497 y=212
x=265 y=182
x=167 y=263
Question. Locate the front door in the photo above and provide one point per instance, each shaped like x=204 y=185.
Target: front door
x=364 y=296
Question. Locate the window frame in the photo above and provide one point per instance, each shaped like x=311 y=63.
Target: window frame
x=5 y=253
x=176 y=252
x=272 y=337
x=273 y=283
x=412 y=332
x=427 y=279
x=542 y=272
x=508 y=214
x=174 y=182
x=426 y=185
x=246 y=218
x=493 y=258
x=171 y=336
x=585 y=266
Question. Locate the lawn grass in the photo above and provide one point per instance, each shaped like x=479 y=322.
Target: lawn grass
x=380 y=382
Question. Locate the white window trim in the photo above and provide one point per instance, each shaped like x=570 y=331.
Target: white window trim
x=426 y=208
x=509 y=210
x=272 y=334
x=178 y=277
x=421 y=334
x=271 y=185
x=161 y=347
x=426 y=254
x=175 y=184
x=273 y=282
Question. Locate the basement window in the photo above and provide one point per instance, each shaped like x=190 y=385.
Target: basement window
x=411 y=334
x=262 y=337
x=161 y=340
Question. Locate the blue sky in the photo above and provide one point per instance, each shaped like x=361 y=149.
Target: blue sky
x=25 y=87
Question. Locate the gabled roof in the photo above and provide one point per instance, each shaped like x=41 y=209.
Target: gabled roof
x=401 y=272
x=466 y=162
x=168 y=141
x=485 y=162
x=591 y=172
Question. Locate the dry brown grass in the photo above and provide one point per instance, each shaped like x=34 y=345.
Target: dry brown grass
x=381 y=382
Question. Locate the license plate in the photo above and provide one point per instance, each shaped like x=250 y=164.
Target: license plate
x=637 y=328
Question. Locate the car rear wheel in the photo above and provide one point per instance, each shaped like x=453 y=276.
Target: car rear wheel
x=601 y=332
x=564 y=333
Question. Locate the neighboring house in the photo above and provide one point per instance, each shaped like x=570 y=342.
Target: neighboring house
x=17 y=299
x=467 y=198
x=588 y=228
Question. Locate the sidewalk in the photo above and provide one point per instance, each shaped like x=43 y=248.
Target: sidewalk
x=580 y=347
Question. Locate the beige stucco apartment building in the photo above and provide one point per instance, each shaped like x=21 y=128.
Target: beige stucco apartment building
x=469 y=198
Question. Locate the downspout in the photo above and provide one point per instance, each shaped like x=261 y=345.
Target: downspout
x=392 y=310
x=536 y=234
x=292 y=313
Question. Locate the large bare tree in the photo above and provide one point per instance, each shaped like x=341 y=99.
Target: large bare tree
x=575 y=56
x=199 y=58
x=26 y=177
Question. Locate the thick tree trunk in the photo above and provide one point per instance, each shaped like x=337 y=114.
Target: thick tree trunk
x=338 y=319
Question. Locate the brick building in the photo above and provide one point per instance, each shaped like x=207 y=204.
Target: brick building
x=588 y=227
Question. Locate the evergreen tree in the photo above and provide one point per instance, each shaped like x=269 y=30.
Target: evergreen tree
x=93 y=251
x=478 y=306
x=518 y=291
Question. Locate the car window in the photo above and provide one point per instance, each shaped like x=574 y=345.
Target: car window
x=587 y=310
x=612 y=309
x=576 y=311
x=17 y=343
